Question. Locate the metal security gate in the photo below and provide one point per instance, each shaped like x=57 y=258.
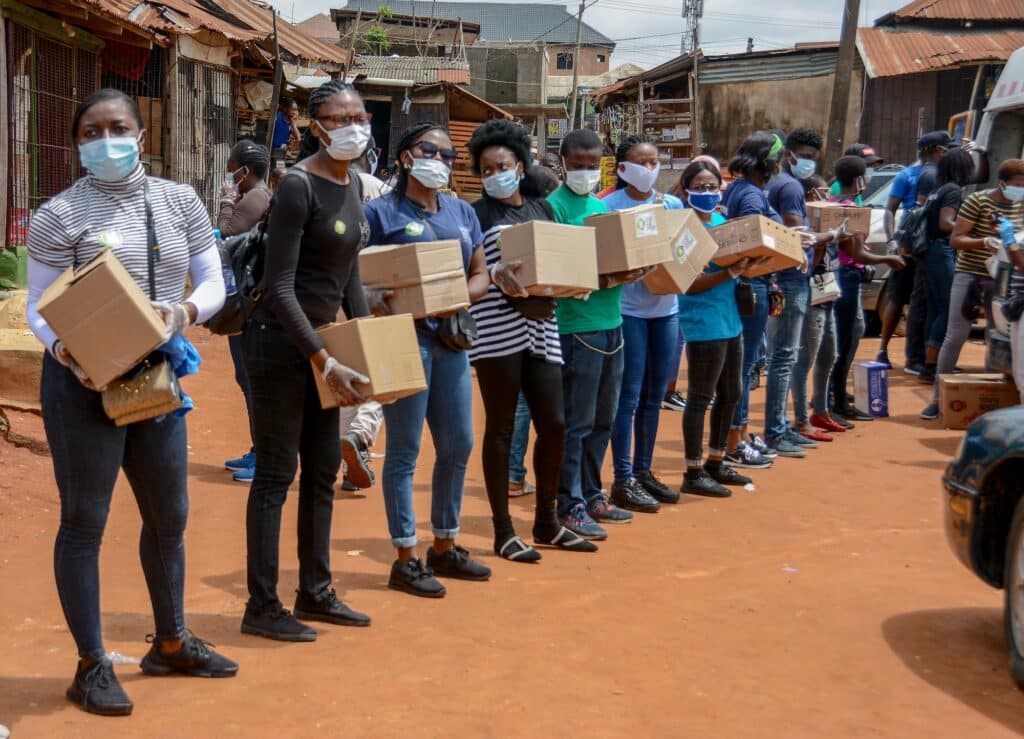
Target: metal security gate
x=204 y=127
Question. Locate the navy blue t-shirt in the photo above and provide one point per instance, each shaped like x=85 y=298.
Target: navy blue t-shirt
x=744 y=198
x=786 y=195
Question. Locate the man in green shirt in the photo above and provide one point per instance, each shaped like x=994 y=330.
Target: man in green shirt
x=591 y=334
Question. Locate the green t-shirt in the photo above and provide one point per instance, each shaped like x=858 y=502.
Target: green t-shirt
x=834 y=192
x=603 y=310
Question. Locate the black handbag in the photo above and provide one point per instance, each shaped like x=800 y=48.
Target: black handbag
x=458 y=331
x=979 y=295
x=746 y=298
x=536 y=308
x=1013 y=307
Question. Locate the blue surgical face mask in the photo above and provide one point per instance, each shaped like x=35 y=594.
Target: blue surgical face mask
x=502 y=184
x=803 y=168
x=705 y=202
x=1013 y=192
x=110 y=159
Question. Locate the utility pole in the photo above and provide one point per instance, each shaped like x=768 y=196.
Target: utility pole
x=576 y=68
x=278 y=82
x=841 y=86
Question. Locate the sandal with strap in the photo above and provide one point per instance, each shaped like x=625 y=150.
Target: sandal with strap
x=517 y=550
x=566 y=539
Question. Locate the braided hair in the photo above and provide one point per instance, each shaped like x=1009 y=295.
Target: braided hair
x=325 y=92
x=249 y=154
x=622 y=154
x=409 y=138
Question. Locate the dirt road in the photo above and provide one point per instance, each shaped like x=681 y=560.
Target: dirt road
x=825 y=603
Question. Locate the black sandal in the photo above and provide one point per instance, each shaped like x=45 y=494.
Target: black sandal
x=516 y=550
x=566 y=539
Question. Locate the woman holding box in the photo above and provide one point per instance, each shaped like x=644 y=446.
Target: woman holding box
x=650 y=335
x=117 y=206
x=518 y=348
x=315 y=230
x=416 y=212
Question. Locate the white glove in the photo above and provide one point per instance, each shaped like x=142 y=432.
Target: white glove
x=175 y=317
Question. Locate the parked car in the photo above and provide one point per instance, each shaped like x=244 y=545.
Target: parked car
x=984 y=515
x=873 y=293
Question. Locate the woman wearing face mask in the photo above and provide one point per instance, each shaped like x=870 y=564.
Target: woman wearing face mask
x=650 y=335
x=315 y=230
x=518 y=349
x=416 y=212
x=110 y=207
x=244 y=199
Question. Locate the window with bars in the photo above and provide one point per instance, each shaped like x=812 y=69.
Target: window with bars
x=204 y=128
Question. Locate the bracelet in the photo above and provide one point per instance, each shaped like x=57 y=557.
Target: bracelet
x=329 y=365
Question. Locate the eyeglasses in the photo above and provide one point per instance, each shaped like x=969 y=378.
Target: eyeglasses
x=430 y=150
x=337 y=121
x=710 y=187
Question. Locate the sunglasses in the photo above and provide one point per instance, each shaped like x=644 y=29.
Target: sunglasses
x=430 y=150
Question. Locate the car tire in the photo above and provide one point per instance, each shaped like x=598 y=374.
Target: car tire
x=1013 y=593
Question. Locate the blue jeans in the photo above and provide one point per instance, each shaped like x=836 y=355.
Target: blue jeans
x=936 y=269
x=784 y=334
x=520 y=440
x=88 y=453
x=447 y=408
x=753 y=335
x=818 y=347
x=242 y=380
x=849 y=330
x=677 y=357
x=591 y=380
x=648 y=345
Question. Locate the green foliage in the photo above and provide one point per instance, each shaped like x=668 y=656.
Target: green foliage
x=376 y=40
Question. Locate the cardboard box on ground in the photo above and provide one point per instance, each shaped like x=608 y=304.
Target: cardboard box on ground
x=871 y=388
x=965 y=397
x=826 y=216
x=692 y=249
x=427 y=278
x=558 y=260
x=757 y=236
x=633 y=238
x=384 y=349
x=102 y=317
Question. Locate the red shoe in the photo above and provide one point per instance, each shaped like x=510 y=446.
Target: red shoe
x=813 y=434
x=827 y=424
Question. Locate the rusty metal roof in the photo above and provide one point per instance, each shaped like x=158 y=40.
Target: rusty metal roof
x=958 y=10
x=888 y=52
x=421 y=70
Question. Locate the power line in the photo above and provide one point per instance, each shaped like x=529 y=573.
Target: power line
x=567 y=19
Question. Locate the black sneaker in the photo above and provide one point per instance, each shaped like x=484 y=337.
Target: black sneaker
x=457 y=564
x=673 y=402
x=927 y=375
x=705 y=485
x=850 y=413
x=357 y=462
x=96 y=689
x=329 y=609
x=275 y=623
x=913 y=368
x=883 y=358
x=631 y=496
x=837 y=416
x=725 y=475
x=195 y=657
x=657 y=489
x=415 y=578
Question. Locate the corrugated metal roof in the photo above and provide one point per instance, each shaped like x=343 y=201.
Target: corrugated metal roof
x=958 y=10
x=888 y=52
x=517 y=22
x=796 y=64
x=421 y=70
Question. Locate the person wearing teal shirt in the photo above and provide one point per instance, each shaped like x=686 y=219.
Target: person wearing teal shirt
x=591 y=336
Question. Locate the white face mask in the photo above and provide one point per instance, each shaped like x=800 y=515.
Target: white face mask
x=433 y=174
x=348 y=142
x=583 y=181
x=639 y=176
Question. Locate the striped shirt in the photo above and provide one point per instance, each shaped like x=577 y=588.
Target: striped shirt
x=978 y=210
x=71 y=228
x=503 y=329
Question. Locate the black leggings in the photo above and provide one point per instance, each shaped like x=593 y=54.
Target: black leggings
x=714 y=370
x=500 y=380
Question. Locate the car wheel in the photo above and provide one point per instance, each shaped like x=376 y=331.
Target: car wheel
x=1013 y=588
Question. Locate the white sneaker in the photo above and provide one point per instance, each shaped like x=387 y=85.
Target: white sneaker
x=747 y=456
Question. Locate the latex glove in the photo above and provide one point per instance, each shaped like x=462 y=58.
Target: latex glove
x=228 y=192
x=583 y=296
x=377 y=298
x=894 y=261
x=175 y=317
x=993 y=243
x=62 y=355
x=503 y=274
x=342 y=381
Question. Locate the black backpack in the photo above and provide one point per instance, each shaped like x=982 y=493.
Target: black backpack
x=912 y=234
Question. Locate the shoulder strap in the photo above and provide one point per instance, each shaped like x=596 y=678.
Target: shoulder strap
x=152 y=247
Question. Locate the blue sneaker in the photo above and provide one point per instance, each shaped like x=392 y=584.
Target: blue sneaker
x=579 y=522
x=931 y=412
x=794 y=437
x=244 y=475
x=246 y=461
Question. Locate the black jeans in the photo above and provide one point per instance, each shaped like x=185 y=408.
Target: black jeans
x=714 y=370
x=849 y=331
x=500 y=380
x=917 y=317
x=290 y=427
x=88 y=452
x=235 y=345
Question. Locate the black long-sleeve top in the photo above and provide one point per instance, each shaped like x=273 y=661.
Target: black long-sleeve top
x=314 y=233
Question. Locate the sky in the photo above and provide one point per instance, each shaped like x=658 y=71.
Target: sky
x=647 y=32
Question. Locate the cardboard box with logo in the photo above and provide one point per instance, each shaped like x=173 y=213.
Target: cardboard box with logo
x=558 y=260
x=427 y=278
x=692 y=249
x=757 y=236
x=102 y=317
x=871 y=388
x=21 y=366
x=964 y=397
x=384 y=349
x=633 y=238
x=826 y=216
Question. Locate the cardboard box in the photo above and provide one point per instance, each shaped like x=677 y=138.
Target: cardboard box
x=558 y=260
x=826 y=216
x=692 y=249
x=964 y=397
x=757 y=236
x=384 y=349
x=102 y=317
x=871 y=388
x=21 y=366
x=633 y=238
x=427 y=278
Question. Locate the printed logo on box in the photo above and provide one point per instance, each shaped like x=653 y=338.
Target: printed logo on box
x=685 y=246
x=646 y=224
